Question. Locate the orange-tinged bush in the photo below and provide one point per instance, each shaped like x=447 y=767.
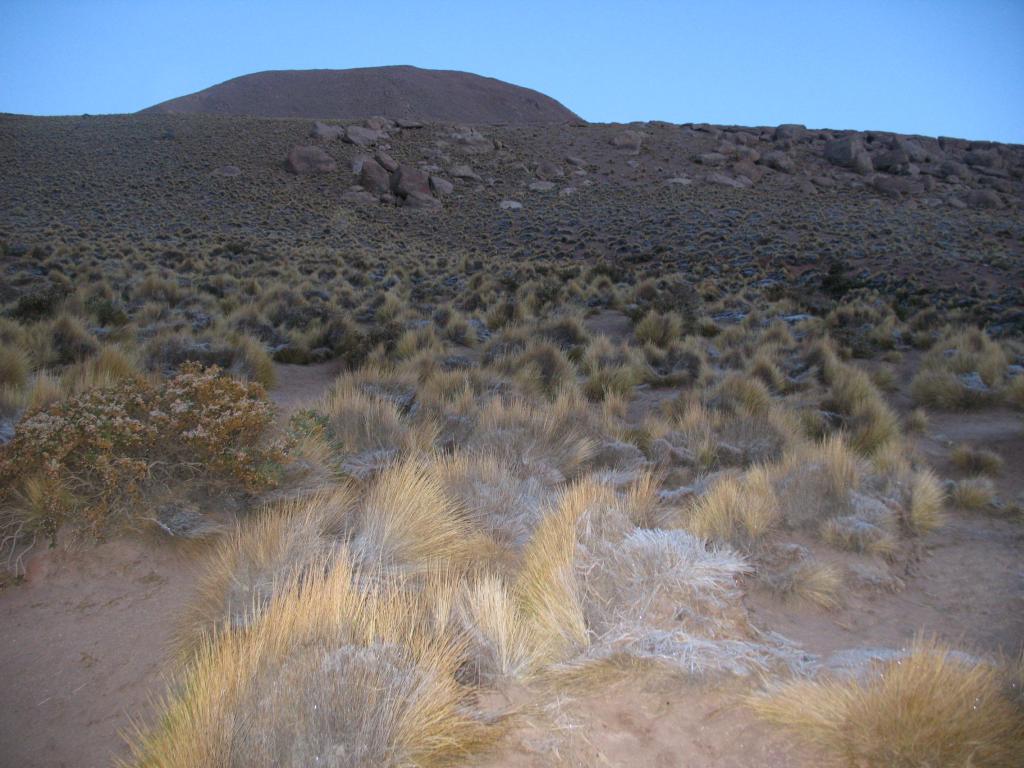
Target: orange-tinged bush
x=104 y=445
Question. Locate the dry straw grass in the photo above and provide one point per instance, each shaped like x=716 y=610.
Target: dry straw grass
x=739 y=509
x=328 y=674
x=931 y=708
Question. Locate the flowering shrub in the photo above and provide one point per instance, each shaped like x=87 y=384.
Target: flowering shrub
x=96 y=451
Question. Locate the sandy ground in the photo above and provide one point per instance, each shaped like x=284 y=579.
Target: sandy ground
x=84 y=641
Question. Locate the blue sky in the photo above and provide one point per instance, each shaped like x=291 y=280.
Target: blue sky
x=937 y=67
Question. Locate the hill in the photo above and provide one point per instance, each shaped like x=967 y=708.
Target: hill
x=397 y=92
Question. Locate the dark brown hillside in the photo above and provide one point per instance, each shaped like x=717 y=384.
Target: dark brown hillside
x=397 y=92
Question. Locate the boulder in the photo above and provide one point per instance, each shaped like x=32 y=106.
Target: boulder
x=913 y=150
x=984 y=198
x=627 y=141
x=441 y=186
x=325 y=131
x=471 y=142
x=374 y=178
x=748 y=170
x=464 y=172
x=849 y=152
x=408 y=124
x=984 y=158
x=360 y=136
x=615 y=454
x=890 y=160
x=307 y=159
x=542 y=186
x=510 y=205
x=412 y=187
x=548 y=171
x=779 y=161
x=386 y=161
x=379 y=124
x=359 y=196
x=713 y=159
x=894 y=186
x=789 y=132
x=728 y=181
x=953 y=169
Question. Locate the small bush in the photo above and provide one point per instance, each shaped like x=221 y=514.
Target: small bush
x=104 y=445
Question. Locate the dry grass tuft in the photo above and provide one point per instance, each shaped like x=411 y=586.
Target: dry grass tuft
x=329 y=674
x=739 y=509
x=258 y=557
x=408 y=523
x=929 y=709
x=926 y=502
x=546 y=588
x=977 y=461
x=973 y=493
x=808 y=581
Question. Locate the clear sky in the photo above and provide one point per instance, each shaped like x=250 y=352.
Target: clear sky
x=936 y=67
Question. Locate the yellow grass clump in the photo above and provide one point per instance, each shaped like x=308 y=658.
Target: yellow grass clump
x=931 y=708
x=739 y=509
x=926 y=502
x=327 y=674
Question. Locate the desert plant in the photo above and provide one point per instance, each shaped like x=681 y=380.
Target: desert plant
x=976 y=461
x=105 y=444
x=323 y=640
x=926 y=502
x=739 y=509
x=659 y=329
x=973 y=493
x=928 y=707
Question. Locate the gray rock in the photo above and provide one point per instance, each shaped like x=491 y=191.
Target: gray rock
x=665 y=454
x=373 y=178
x=984 y=198
x=387 y=162
x=412 y=187
x=618 y=455
x=848 y=152
x=464 y=172
x=510 y=205
x=441 y=186
x=890 y=159
x=328 y=132
x=308 y=159
x=360 y=136
x=973 y=382
x=627 y=141
x=542 y=186
x=779 y=161
x=548 y=171
x=789 y=132
x=728 y=181
x=713 y=159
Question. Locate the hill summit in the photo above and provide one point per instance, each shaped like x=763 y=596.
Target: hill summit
x=396 y=92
